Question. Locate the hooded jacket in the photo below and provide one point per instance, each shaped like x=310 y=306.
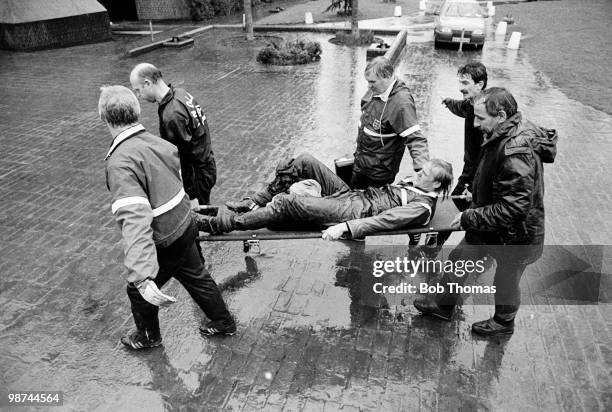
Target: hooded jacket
x=387 y=125
x=508 y=188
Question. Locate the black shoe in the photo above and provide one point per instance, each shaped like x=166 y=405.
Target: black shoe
x=205 y=223
x=491 y=327
x=242 y=206
x=141 y=340
x=428 y=306
x=216 y=328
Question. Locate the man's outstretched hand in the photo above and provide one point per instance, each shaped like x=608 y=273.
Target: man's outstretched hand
x=151 y=293
x=335 y=232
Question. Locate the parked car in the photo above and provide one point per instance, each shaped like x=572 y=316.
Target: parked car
x=460 y=21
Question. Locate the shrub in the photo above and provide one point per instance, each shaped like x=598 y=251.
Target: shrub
x=226 y=7
x=201 y=10
x=207 y=9
x=295 y=52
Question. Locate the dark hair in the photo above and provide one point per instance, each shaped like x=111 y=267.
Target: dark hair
x=443 y=173
x=381 y=67
x=118 y=106
x=477 y=71
x=497 y=99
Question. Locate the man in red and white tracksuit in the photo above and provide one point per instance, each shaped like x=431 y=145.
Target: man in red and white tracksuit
x=388 y=124
x=153 y=212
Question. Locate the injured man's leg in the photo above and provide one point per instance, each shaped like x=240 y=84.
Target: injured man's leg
x=287 y=210
x=288 y=172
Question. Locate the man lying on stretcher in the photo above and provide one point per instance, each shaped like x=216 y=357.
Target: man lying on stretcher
x=290 y=200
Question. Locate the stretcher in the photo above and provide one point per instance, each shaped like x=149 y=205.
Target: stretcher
x=444 y=215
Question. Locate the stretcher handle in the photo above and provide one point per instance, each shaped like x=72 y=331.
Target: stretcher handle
x=310 y=235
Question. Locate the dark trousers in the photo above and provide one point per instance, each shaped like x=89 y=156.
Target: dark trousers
x=183 y=261
x=303 y=167
x=360 y=181
x=202 y=179
x=306 y=212
x=511 y=263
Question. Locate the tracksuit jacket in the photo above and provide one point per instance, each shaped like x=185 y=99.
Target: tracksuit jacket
x=183 y=123
x=147 y=197
x=387 y=125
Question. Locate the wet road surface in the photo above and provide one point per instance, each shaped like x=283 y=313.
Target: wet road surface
x=311 y=334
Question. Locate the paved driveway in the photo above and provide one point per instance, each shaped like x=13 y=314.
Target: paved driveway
x=310 y=336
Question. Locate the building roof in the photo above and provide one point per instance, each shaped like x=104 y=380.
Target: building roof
x=24 y=11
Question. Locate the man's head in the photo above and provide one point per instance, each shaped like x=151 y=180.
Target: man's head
x=435 y=176
x=492 y=108
x=146 y=81
x=118 y=107
x=379 y=74
x=472 y=79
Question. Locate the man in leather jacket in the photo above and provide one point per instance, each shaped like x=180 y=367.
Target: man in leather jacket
x=472 y=80
x=506 y=217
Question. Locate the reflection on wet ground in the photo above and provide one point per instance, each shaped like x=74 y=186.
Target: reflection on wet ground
x=311 y=335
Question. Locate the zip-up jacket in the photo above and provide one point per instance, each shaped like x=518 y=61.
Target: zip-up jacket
x=147 y=197
x=472 y=140
x=182 y=123
x=394 y=207
x=508 y=198
x=387 y=125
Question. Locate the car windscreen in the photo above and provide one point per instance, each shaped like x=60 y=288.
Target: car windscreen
x=458 y=9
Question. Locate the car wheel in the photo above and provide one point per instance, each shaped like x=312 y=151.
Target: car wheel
x=436 y=44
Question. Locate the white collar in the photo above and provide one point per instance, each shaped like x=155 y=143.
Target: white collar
x=419 y=191
x=385 y=95
x=127 y=133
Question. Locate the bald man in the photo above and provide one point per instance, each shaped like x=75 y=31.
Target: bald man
x=182 y=123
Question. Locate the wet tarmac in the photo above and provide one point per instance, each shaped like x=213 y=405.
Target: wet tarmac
x=311 y=335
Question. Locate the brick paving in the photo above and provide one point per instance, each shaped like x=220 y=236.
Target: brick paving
x=311 y=334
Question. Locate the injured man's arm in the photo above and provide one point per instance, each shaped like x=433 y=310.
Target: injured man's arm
x=359 y=212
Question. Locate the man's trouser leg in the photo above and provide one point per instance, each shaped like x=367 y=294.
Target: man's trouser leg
x=511 y=264
x=464 y=251
x=257 y=219
x=204 y=179
x=182 y=260
x=304 y=166
x=320 y=211
x=291 y=209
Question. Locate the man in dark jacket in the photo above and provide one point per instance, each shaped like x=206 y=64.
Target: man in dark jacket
x=354 y=212
x=506 y=217
x=473 y=80
x=182 y=123
x=153 y=213
x=387 y=125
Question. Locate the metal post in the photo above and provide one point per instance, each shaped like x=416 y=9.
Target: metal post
x=151 y=30
x=461 y=41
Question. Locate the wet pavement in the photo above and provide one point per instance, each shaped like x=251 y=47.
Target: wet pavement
x=311 y=336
